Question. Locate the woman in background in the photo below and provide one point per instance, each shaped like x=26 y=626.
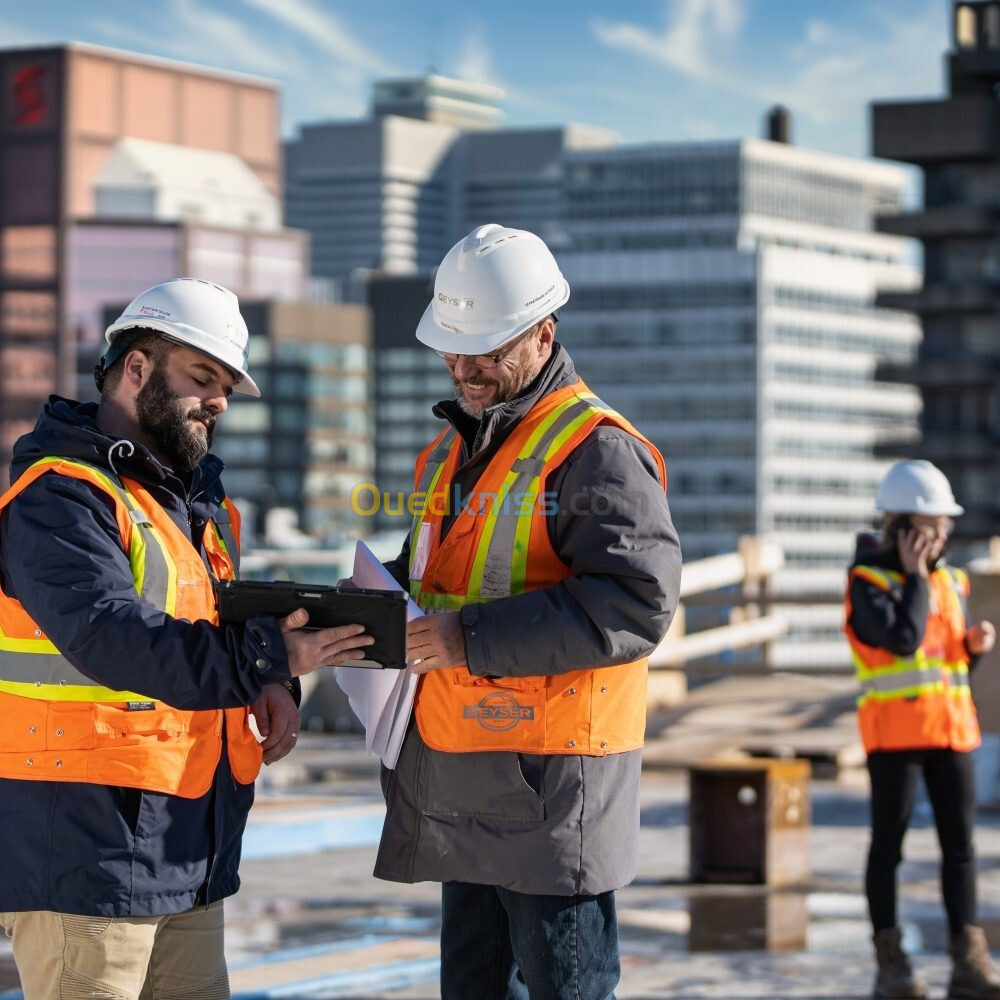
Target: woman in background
x=912 y=649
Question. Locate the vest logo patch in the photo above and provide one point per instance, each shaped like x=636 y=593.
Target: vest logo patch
x=141 y=706
x=499 y=711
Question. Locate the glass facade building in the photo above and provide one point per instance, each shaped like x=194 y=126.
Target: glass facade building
x=724 y=299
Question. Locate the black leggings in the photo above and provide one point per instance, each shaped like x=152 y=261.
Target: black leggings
x=950 y=783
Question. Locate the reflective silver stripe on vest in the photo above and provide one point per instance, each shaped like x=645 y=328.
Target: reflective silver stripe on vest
x=54 y=668
x=434 y=459
x=43 y=668
x=500 y=555
x=901 y=681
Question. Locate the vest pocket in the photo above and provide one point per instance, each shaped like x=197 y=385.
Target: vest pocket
x=507 y=683
x=113 y=723
x=488 y=785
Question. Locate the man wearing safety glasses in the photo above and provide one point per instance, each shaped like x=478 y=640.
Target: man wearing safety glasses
x=544 y=556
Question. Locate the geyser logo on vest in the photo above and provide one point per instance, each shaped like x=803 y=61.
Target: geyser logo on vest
x=499 y=711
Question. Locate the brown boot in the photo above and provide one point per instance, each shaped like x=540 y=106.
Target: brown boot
x=896 y=978
x=972 y=975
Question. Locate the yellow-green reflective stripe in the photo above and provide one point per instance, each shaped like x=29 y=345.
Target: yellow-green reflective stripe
x=493 y=563
x=137 y=559
x=41 y=661
x=68 y=692
x=156 y=584
x=494 y=558
x=223 y=525
x=522 y=521
x=442 y=602
x=31 y=646
x=901 y=666
x=428 y=492
x=137 y=550
x=522 y=533
x=961 y=691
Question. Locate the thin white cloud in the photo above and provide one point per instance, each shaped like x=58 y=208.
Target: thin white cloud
x=689 y=41
x=475 y=60
x=189 y=30
x=835 y=71
x=324 y=30
x=827 y=77
x=317 y=82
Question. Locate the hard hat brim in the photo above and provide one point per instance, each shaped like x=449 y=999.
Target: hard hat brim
x=442 y=338
x=942 y=510
x=244 y=383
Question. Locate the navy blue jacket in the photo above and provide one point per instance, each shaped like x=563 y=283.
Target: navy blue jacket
x=92 y=849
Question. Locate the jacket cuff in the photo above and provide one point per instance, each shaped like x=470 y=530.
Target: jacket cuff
x=265 y=649
x=476 y=654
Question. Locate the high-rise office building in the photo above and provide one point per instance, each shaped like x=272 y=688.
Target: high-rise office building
x=390 y=194
x=724 y=298
x=956 y=142
x=442 y=99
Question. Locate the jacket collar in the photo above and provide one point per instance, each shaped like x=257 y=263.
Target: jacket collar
x=69 y=429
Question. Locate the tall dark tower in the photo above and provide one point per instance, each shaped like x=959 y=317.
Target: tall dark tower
x=956 y=141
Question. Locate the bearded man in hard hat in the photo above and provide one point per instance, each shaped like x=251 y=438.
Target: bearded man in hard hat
x=126 y=759
x=912 y=648
x=543 y=551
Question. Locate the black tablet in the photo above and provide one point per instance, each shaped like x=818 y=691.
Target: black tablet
x=382 y=612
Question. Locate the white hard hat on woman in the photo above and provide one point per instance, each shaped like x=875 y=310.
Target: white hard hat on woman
x=916 y=487
x=490 y=287
x=187 y=311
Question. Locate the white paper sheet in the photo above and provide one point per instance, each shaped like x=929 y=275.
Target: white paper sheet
x=381 y=699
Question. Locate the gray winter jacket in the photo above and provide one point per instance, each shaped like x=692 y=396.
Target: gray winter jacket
x=544 y=824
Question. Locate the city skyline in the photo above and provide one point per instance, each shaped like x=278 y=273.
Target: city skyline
x=675 y=71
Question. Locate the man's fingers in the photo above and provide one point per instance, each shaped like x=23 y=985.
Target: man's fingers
x=308 y=651
x=338 y=645
x=337 y=632
x=280 y=748
x=296 y=619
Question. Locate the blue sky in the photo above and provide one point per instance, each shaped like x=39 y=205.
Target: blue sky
x=650 y=71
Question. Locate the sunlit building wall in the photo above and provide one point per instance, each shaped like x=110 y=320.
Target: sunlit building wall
x=63 y=111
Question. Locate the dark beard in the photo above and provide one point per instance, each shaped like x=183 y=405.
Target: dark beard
x=162 y=416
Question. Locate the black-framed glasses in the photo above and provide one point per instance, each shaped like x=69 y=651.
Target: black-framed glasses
x=487 y=360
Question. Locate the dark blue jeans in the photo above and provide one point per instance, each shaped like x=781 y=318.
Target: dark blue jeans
x=503 y=945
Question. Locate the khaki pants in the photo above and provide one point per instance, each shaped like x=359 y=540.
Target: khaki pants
x=61 y=956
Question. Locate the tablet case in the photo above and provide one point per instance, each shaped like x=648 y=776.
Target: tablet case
x=382 y=612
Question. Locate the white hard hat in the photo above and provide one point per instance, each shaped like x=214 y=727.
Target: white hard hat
x=491 y=286
x=191 y=312
x=916 y=487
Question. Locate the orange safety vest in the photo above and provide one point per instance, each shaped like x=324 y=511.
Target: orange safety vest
x=61 y=725
x=924 y=700
x=498 y=546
